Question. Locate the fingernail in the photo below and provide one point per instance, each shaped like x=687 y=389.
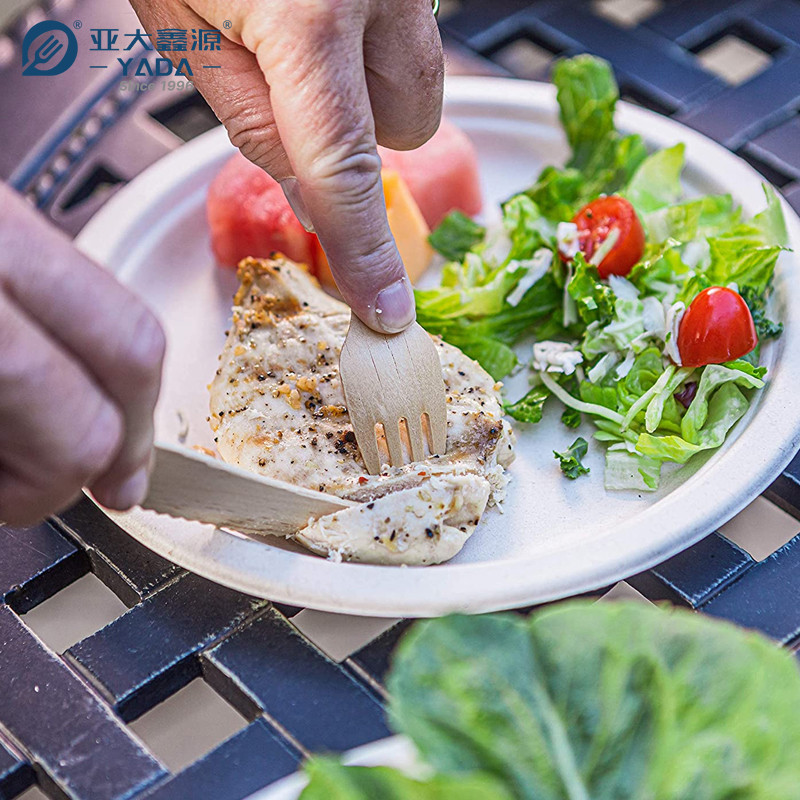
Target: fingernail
x=133 y=491
x=291 y=189
x=394 y=306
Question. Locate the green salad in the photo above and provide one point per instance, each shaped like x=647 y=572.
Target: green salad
x=639 y=308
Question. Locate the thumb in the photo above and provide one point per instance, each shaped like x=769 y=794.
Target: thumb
x=372 y=278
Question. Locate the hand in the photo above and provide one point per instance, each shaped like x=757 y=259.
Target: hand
x=80 y=368
x=305 y=89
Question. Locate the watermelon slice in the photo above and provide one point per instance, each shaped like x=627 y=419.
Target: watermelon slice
x=249 y=215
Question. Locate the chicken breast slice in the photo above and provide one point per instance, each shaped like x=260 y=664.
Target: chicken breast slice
x=278 y=409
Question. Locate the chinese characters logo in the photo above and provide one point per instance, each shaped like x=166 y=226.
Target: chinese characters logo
x=50 y=48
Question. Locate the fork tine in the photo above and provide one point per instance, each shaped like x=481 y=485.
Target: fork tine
x=437 y=422
x=54 y=50
x=416 y=438
x=388 y=379
x=370 y=453
x=394 y=442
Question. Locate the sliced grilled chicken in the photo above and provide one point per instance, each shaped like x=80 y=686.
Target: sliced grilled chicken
x=277 y=408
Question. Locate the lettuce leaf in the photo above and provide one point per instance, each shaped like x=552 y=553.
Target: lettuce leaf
x=608 y=701
x=587 y=97
x=456 y=235
x=530 y=407
x=626 y=470
x=712 y=377
x=657 y=181
x=594 y=299
x=771 y=221
x=526 y=227
x=602 y=160
x=488 y=337
x=725 y=408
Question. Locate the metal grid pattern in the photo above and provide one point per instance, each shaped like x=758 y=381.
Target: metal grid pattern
x=68 y=720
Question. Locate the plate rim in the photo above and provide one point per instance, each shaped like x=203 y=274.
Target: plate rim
x=377 y=590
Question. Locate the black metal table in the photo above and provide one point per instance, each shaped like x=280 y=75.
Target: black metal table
x=67 y=145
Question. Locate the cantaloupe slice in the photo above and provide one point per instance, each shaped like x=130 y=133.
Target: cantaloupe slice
x=408 y=227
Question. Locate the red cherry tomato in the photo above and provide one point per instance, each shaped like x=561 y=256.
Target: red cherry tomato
x=717 y=327
x=597 y=220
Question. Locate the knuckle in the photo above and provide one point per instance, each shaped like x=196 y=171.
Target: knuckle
x=370 y=269
x=257 y=140
x=351 y=169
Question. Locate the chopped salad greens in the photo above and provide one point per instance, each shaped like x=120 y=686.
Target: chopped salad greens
x=570 y=460
x=646 y=308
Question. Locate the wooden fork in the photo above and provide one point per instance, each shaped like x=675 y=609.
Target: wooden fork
x=393 y=382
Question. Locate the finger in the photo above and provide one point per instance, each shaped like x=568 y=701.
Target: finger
x=23 y=504
x=237 y=92
x=321 y=105
x=405 y=73
x=107 y=330
x=57 y=428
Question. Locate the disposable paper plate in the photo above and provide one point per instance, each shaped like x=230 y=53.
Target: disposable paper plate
x=556 y=537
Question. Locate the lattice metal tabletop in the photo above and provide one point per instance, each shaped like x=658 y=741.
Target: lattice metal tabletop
x=76 y=716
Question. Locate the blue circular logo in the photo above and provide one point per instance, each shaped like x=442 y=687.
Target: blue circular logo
x=49 y=48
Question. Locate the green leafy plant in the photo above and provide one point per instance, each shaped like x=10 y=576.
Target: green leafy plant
x=603 y=701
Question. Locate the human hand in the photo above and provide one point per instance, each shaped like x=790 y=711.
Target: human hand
x=80 y=368
x=305 y=89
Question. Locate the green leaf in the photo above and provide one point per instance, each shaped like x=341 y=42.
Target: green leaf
x=526 y=227
x=712 y=377
x=696 y=284
x=570 y=460
x=741 y=260
x=587 y=96
x=480 y=297
x=497 y=358
x=488 y=338
x=530 y=407
x=753 y=370
x=331 y=780
x=626 y=470
x=594 y=299
x=571 y=418
x=602 y=701
x=765 y=327
x=667 y=448
x=746 y=254
x=455 y=235
x=657 y=181
x=679 y=222
x=660 y=268
x=602 y=160
x=558 y=193
x=770 y=221
x=726 y=407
